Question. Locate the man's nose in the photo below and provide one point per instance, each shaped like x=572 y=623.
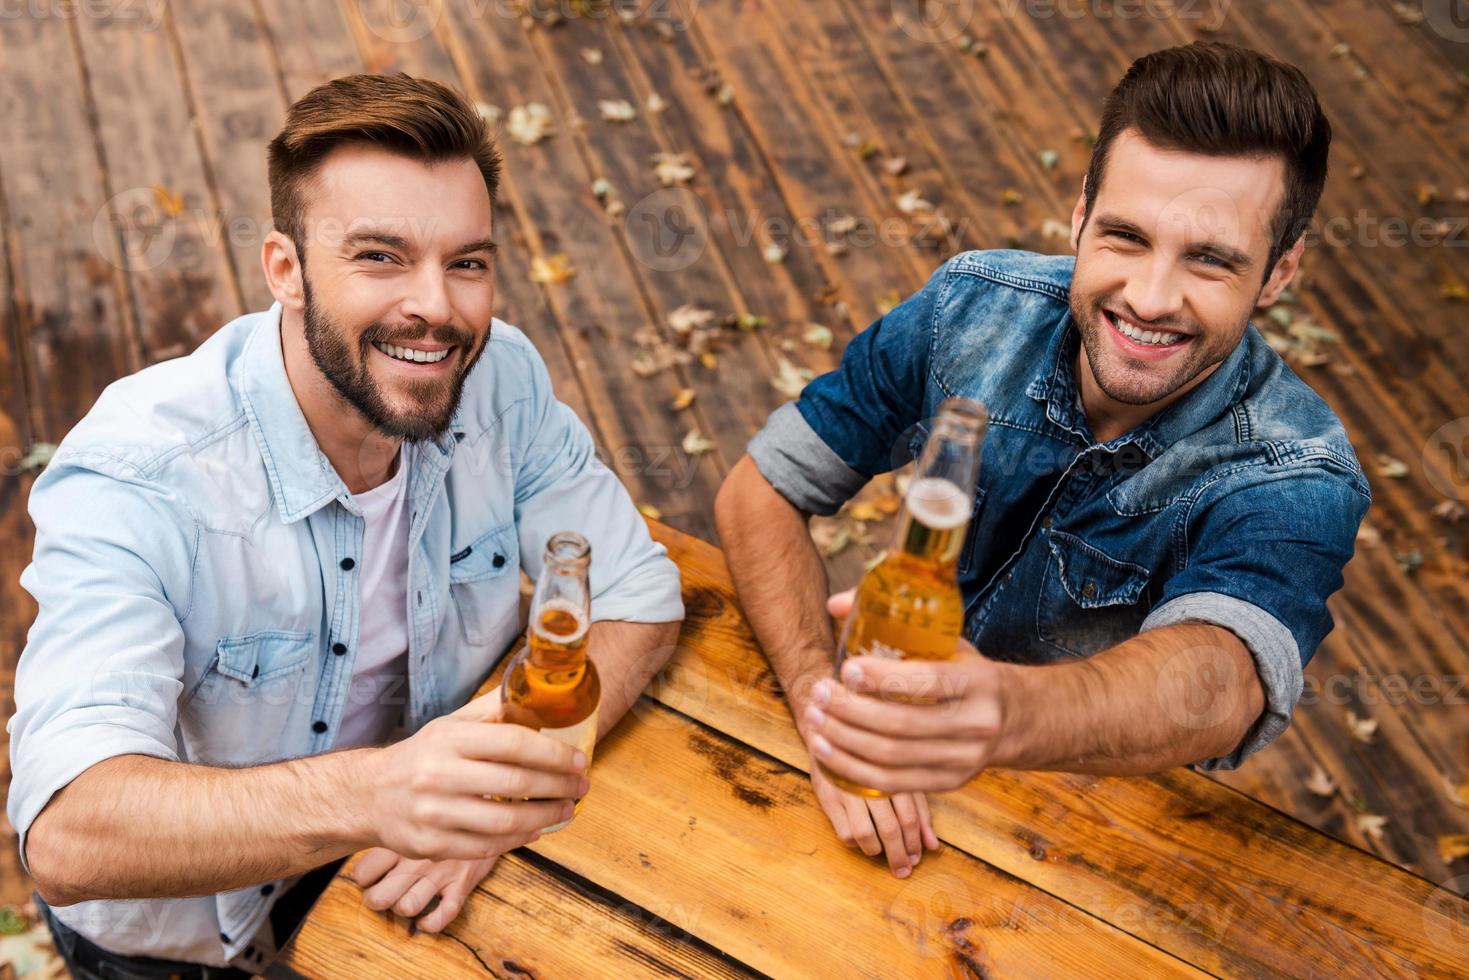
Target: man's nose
x=1153 y=292
x=428 y=297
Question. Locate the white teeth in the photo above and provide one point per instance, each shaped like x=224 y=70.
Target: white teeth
x=409 y=354
x=1137 y=334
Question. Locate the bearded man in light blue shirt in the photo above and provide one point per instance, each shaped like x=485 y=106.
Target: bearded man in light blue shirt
x=271 y=574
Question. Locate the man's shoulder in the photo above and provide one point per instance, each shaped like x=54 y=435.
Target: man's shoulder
x=1015 y=269
x=144 y=419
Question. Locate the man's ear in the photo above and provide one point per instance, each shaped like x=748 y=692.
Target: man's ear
x=1285 y=270
x=283 y=270
x=1078 y=218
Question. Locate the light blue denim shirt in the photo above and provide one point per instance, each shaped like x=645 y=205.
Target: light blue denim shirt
x=1238 y=505
x=195 y=566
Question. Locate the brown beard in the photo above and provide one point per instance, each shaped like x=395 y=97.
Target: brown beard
x=1202 y=355
x=437 y=399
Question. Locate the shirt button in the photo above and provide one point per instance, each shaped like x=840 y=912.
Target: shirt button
x=1089 y=590
x=256 y=671
x=498 y=561
x=318 y=726
x=267 y=889
x=347 y=564
x=339 y=648
x=1046 y=523
x=223 y=938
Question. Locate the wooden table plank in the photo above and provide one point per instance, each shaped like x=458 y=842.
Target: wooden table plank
x=526 y=920
x=1200 y=870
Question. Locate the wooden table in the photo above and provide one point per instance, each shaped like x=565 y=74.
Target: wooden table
x=701 y=851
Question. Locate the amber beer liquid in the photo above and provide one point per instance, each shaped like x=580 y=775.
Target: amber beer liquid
x=908 y=605
x=551 y=685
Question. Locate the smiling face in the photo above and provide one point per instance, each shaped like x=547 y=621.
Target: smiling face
x=1169 y=265
x=396 y=284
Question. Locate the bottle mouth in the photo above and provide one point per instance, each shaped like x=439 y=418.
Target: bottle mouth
x=568 y=548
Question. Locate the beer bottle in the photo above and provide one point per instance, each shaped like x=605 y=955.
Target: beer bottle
x=551 y=685
x=908 y=605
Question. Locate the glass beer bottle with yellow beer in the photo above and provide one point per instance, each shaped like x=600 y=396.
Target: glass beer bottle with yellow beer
x=551 y=685
x=908 y=605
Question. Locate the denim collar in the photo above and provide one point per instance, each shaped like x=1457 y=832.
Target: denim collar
x=302 y=479
x=1056 y=388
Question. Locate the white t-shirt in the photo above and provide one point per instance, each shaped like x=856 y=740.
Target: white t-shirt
x=379 y=687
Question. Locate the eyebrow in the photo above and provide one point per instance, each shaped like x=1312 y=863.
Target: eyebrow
x=1232 y=256
x=371 y=237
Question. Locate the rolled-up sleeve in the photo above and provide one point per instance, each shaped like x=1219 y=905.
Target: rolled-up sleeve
x=1266 y=550
x=102 y=668
x=561 y=485
x=848 y=425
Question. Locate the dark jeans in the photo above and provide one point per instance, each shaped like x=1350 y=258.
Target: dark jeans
x=88 y=961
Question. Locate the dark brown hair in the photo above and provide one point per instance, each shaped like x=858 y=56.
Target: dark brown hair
x=1220 y=99
x=415 y=117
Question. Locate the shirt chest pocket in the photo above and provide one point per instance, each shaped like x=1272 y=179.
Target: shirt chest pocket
x=485 y=586
x=1088 y=600
x=239 y=709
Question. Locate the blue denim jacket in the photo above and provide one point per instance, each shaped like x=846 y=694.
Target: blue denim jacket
x=194 y=566
x=1238 y=505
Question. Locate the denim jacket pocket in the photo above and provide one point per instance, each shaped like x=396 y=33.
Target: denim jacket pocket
x=1088 y=600
x=485 y=586
x=239 y=707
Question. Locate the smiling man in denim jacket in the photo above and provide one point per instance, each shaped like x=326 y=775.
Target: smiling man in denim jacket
x=307 y=536
x=1163 y=506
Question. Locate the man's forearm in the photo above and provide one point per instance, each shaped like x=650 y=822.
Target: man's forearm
x=140 y=827
x=780 y=579
x=627 y=656
x=1164 y=698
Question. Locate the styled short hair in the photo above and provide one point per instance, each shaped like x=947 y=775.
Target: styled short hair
x=1221 y=99
x=414 y=117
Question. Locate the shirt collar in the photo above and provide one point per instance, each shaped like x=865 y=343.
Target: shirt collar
x=302 y=479
x=1056 y=387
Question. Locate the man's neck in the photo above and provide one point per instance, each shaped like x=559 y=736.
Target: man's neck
x=1109 y=418
x=362 y=456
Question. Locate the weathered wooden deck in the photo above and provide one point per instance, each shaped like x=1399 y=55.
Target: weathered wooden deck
x=133 y=201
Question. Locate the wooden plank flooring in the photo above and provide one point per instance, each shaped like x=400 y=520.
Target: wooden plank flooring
x=133 y=202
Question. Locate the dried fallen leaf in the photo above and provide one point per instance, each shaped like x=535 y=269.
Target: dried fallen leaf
x=1320 y=782
x=1051 y=228
x=789 y=380
x=1451 y=512
x=1369 y=535
x=688 y=318
x=844 y=225
x=592 y=56
x=650 y=512
x=709 y=361
x=817 y=335
x=551 y=269
x=672 y=168
x=529 y=123
x=170 y=203
x=1458 y=793
x=1049 y=159
x=895 y=165
x=655 y=103
x=1390 y=467
x=749 y=321
x=694 y=443
x=1011 y=197
x=1454 y=291
x=682 y=400
x=39 y=455
x=1371 y=825
x=1452 y=847
x=1425 y=192
x=866 y=511
x=912 y=201
x=773 y=253
x=1362 y=729
x=491 y=114
x=617 y=110
x=888 y=302
x=1408 y=14
x=725 y=95
x=830 y=537
x=1409 y=561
